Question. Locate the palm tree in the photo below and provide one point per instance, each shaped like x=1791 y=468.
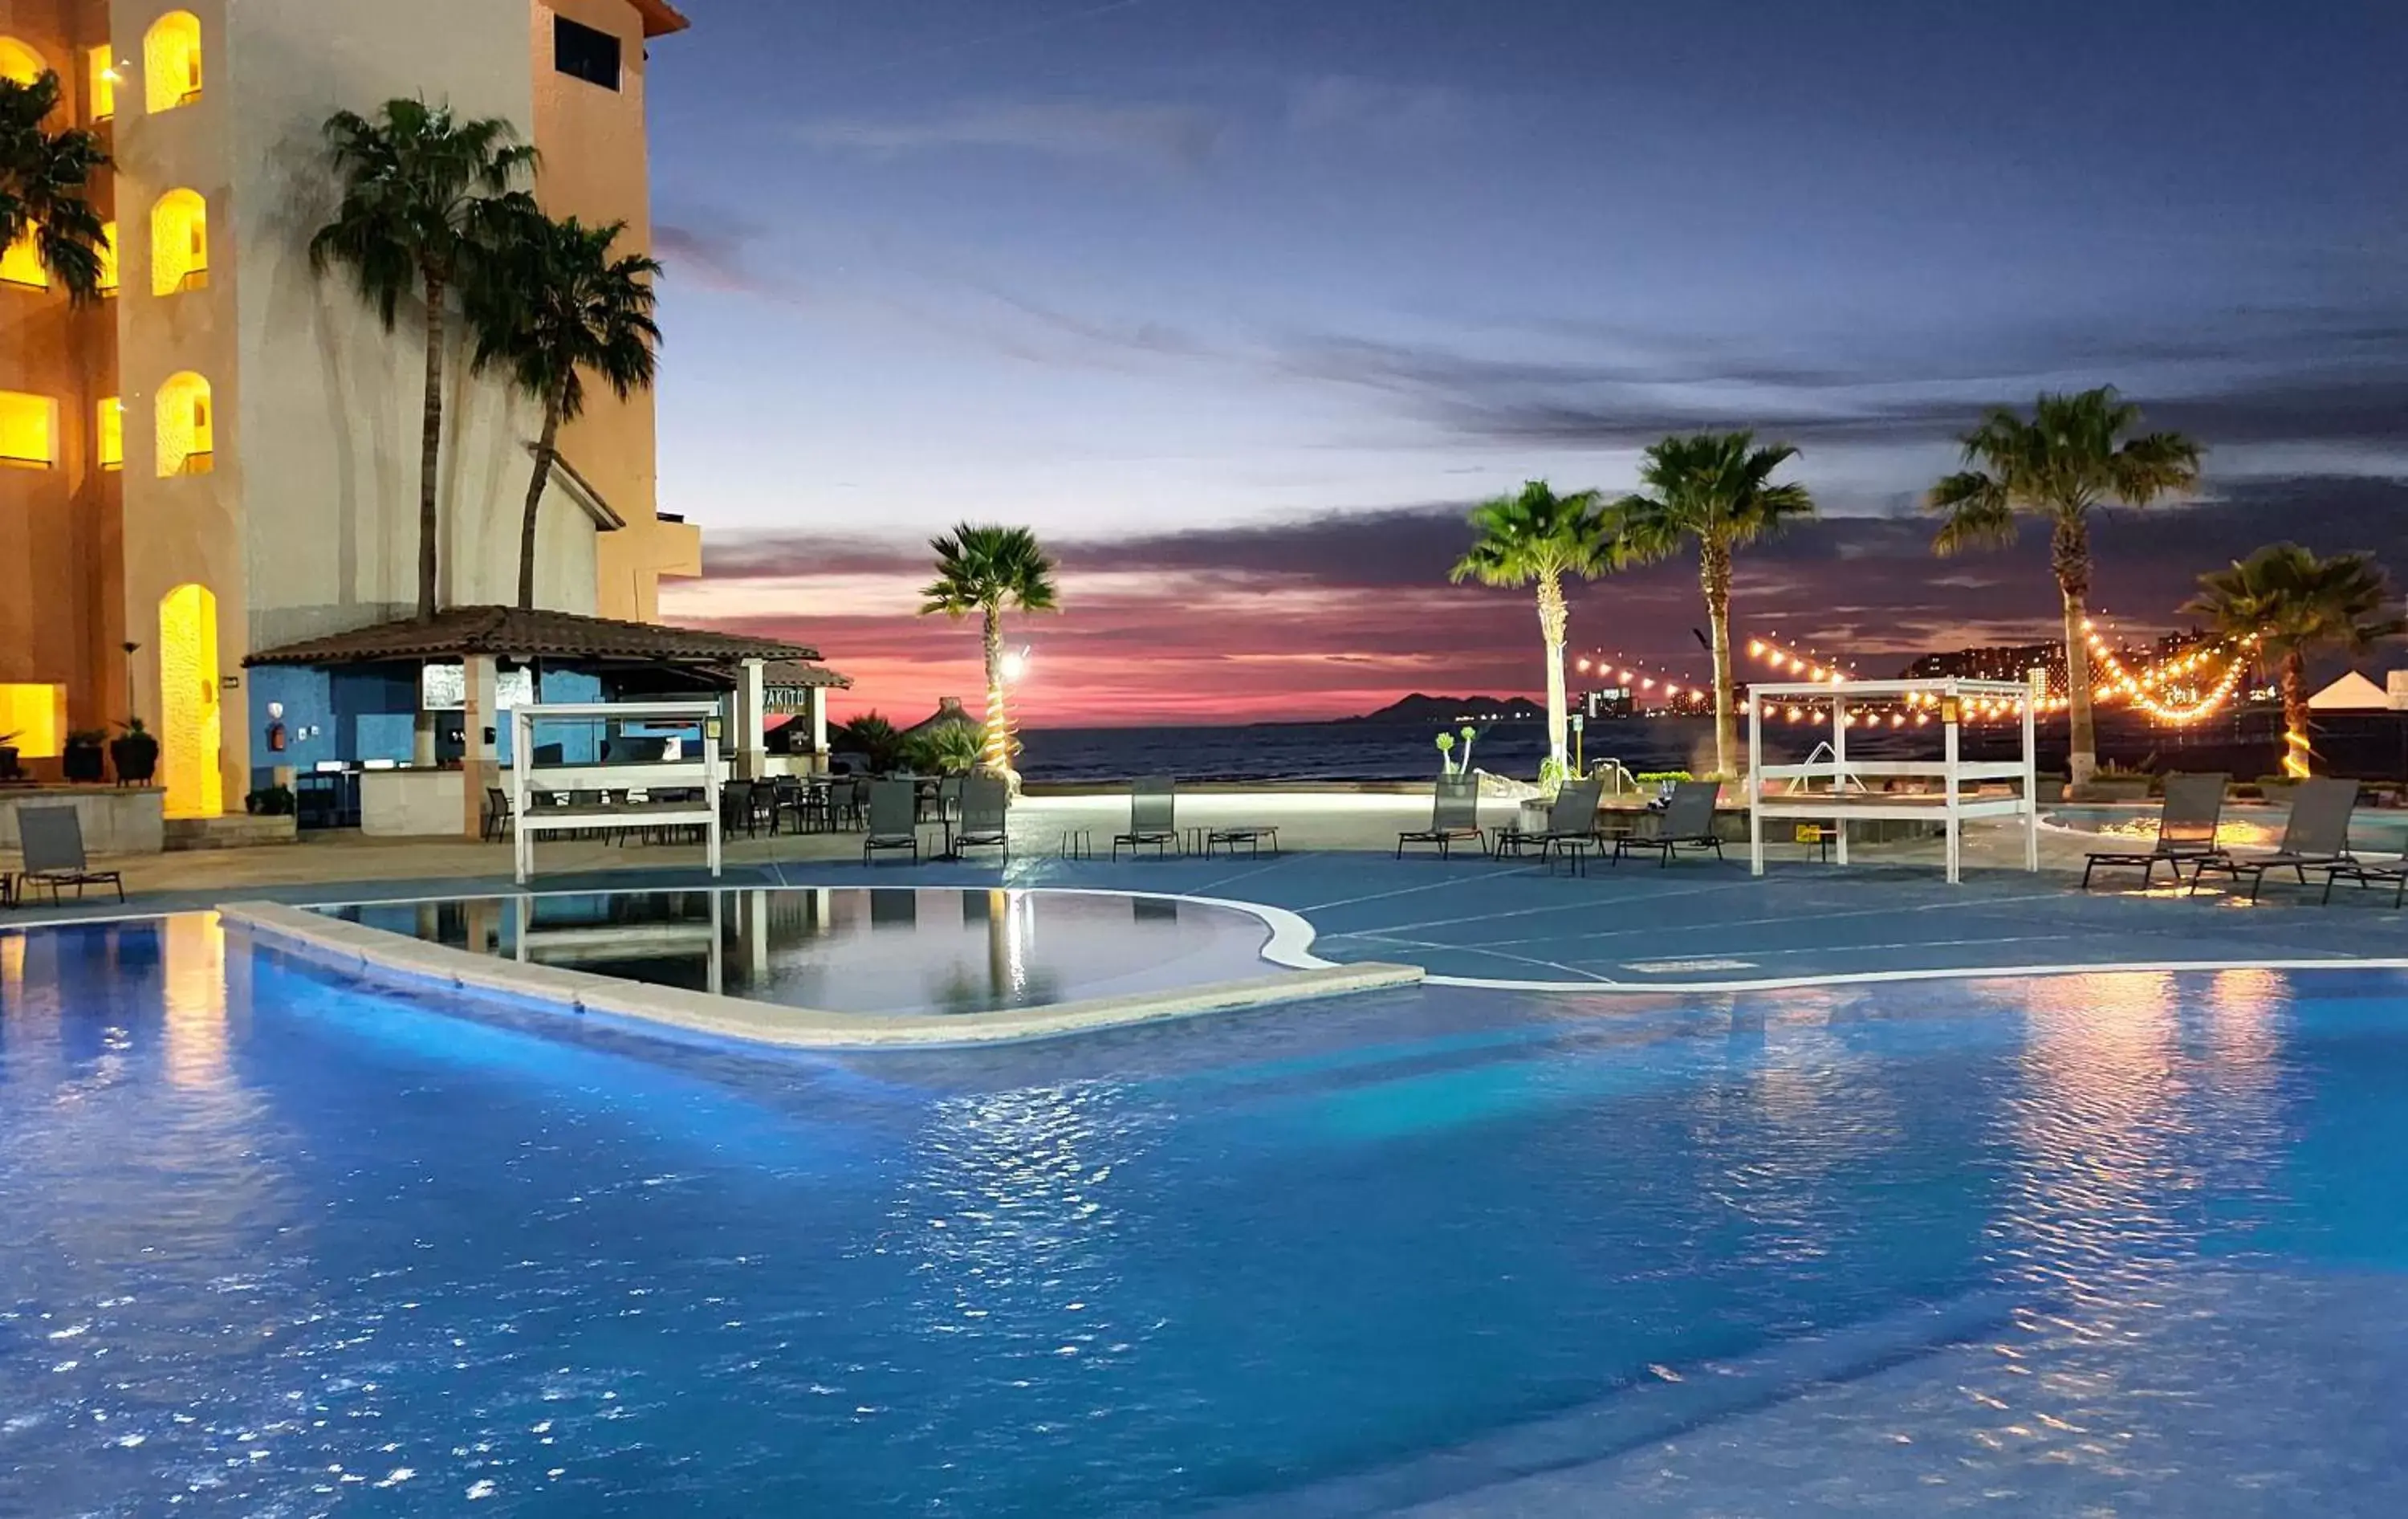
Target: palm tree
x=45 y=184
x=1539 y=538
x=2292 y=604
x=1717 y=489
x=986 y=569
x=418 y=187
x=549 y=302
x=2075 y=454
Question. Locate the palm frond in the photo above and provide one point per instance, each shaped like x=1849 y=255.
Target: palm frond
x=1714 y=488
x=1532 y=534
x=1977 y=510
x=2294 y=602
x=985 y=567
x=46 y=183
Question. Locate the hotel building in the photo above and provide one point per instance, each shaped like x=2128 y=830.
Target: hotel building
x=222 y=457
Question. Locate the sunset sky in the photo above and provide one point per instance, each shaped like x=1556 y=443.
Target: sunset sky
x=1241 y=303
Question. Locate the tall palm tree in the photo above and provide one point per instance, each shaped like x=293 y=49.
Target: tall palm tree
x=418 y=186
x=1717 y=489
x=1539 y=538
x=2077 y=451
x=46 y=185
x=2293 y=604
x=549 y=302
x=985 y=569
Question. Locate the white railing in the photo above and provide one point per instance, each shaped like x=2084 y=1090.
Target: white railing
x=697 y=773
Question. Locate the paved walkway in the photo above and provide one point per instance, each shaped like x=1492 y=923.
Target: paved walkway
x=1695 y=924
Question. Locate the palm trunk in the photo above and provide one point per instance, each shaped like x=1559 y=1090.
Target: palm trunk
x=2295 y=716
x=1552 y=616
x=2070 y=549
x=1715 y=574
x=994 y=743
x=430 y=455
x=547 y=449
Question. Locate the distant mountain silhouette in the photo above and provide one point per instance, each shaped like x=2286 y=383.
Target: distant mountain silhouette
x=1444 y=710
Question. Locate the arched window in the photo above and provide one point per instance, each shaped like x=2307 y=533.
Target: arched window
x=102 y=69
x=171 y=60
x=180 y=243
x=191 y=726
x=20 y=63
x=187 y=427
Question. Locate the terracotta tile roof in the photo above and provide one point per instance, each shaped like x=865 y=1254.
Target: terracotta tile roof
x=801 y=674
x=509 y=632
x=660 y=18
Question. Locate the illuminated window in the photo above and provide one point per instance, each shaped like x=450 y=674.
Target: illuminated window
x=171 y=62
x=107 y=252
x=37 y=715
x=192 y=728
x=112 y=433
x=180 y=243
x=22 y=265
x=29 y=430
x=104 y=83
x=20 y=63
x=186 y=434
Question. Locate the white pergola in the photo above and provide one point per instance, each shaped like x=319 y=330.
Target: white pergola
x=1945 y=803
x=700 y=772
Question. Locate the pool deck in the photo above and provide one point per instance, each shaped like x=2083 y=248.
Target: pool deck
x=1697 y=926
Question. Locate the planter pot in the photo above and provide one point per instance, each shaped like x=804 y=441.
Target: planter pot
x=84 y=762
x=134 y=757
x=8 y=761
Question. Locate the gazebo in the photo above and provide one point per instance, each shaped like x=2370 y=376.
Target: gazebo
x=414 y=709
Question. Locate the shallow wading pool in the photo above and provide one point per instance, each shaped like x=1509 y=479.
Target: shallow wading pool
x=279 y=1244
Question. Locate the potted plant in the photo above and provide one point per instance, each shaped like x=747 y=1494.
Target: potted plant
x=134 y=753
x=270 y=802
x=8 y=756
x=85 y=759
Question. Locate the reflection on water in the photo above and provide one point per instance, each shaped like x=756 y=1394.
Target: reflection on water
x=195 y=998
x=857 y=950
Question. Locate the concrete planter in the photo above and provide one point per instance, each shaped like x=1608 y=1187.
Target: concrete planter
x=117 y=821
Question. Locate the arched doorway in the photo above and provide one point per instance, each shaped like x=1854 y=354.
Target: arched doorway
x=190 y=728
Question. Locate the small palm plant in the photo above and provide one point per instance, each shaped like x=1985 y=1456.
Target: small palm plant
x=2076 y=453
x=1717 y=490
x=986 y=569
x=875 y=740
x=551 y=303
x=418 y=189
x=1537 y=538
x=46 y=187
x=2292 y=603
x=947 y=749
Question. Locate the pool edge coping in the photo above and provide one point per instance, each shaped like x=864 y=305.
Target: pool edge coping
x=377 y=954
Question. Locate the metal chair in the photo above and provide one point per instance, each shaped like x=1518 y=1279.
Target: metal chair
x=52 y=838
x=1153 y=808
x=1454 y=814
x=2316 y=838
x=894 y=820
x=1687 y=823
x=987 y=805
x=2187 y=829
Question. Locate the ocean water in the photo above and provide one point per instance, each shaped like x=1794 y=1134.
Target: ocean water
x=279 y=1245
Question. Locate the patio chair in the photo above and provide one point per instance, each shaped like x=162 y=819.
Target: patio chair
x=496 y=821
x=2392 y=873
x=1571 y=816
x=894 y=820
x=987 y=805
x=1454 y=814
x=1154 y=805
x=2187 y=824
x=2316 y=838
x=1687 y=821
x=52 y=838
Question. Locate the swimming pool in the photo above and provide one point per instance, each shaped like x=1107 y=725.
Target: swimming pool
x=281 y=1245
x=857 y=949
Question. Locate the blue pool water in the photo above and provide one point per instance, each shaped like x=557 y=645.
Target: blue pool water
x=275 y=1245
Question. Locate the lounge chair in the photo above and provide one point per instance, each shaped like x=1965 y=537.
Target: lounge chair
x=2187 y=824
x=894 y=820
x=1253 y=835
x=52 y=838
x=1571 y=827
x=1154 y=816
x=1687 y=821
x=1454 y=814
x=986 y=804
x=2392 y=873
x=2315 y=839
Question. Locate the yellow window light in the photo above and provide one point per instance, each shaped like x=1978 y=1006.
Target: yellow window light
x=37 y=715
x=180 y=243
x=112 y=433
x=171 y=62
x=28 y=431
x=187 y=436
x=103 y=74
